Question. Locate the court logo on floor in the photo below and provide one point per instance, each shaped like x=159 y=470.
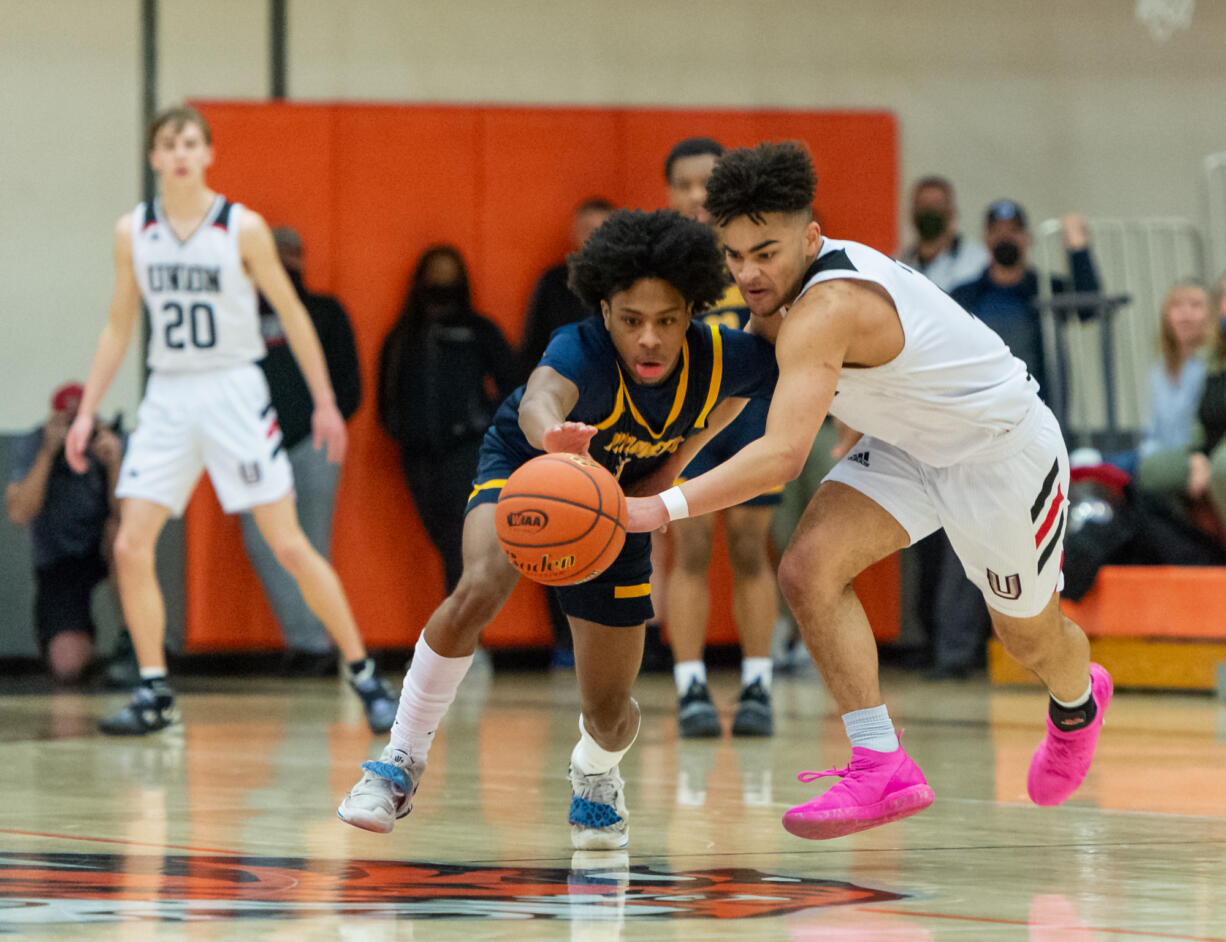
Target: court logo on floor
x=41 y=889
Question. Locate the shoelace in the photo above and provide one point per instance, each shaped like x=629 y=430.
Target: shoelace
x=807 y=777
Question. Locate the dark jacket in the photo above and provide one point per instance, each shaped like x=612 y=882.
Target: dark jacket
x=440 y=382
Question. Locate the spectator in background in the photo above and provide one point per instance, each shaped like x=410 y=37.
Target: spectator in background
x=443 y=370
x=1176 y=385
x=310 y=650
x=1207 y=471
x=940 y=251
x=947 y=257
x=1004 y=297
x=1005 y=294
x=553 y=304
x=72 y=519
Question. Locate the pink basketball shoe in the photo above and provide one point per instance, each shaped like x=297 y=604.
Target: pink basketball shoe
x=876 y=788
x=1063 y=758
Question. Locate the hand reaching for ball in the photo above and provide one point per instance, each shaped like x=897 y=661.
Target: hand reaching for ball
x=572 y=437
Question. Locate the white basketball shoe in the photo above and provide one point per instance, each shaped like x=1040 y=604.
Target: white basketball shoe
x=384 y=793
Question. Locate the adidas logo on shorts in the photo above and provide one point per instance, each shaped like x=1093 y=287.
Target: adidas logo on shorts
x=860 y=457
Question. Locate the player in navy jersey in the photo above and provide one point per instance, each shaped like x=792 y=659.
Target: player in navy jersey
x=955 y=437
x=640 y=389
x=195 y=260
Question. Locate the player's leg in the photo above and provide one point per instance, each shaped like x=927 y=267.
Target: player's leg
x=1006 y=522
x=322 y=591
x=755 y=607
x=606 y=663
x=689 y=604
x=442 y=657
x=315 y=482
x=152 y=707
x=1057 y=650
x=607 y=617
x=861 y=514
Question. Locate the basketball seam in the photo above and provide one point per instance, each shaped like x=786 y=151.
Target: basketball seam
x=571 y=503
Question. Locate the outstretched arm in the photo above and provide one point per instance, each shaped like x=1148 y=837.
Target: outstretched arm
x=548 y=399
x=112 y=346
x=259 y=254
x=810 y=351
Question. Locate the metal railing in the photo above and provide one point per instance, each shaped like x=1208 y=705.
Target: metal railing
x=1100 y=380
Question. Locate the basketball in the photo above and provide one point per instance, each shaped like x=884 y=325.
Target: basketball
x=561 y=519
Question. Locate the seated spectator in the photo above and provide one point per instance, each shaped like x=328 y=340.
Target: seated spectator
x=310 y=651
x=443 y=370
x=1176 y=385
x=553 y=304
x=72 y=519
x=942 y=253
x=1207 y=464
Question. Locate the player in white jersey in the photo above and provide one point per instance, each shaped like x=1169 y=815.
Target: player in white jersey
x=196 y=261
x=955 y=436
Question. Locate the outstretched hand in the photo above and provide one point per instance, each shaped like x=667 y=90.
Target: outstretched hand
x=570 y=437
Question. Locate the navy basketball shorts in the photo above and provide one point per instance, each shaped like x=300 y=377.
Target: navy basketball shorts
x=619 y=597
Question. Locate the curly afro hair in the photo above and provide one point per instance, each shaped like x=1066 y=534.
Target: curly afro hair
x=769 y=178
x=633 y=244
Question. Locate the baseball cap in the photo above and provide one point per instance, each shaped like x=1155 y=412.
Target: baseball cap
x=1006 y=209
x=67 y=397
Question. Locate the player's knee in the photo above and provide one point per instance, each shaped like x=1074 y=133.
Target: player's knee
x=481 y=592
x=747 y=552
x=132 y=550
x=692 y=552
x=294 y=552
x=805 y=580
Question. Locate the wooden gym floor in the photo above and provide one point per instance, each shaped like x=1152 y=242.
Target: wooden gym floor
x=226 y=829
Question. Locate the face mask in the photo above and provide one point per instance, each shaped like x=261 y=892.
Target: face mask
x=929 y=224
x=1006 y=253
x=450 y=297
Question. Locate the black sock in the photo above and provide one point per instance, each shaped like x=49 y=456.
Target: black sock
x=1071 y=719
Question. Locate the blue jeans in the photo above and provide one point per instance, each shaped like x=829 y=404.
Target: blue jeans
x=315 y=480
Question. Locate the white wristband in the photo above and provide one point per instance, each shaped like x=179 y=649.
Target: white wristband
x=674 y=503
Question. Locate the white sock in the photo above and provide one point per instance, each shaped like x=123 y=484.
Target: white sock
x=756 y=668
x=152 y=673
x=429 y=687
x=1080 y=701
x=686 y=672
x=590 y=757
x=871 y=729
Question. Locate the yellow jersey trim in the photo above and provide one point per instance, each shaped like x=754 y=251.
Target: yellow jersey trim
x=632 y=591
x=485 y=486
x=717 y=375
x=625 y=401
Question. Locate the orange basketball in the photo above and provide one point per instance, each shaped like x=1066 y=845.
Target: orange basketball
x=561 y=519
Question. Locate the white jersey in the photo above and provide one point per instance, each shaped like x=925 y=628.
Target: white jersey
x=202 y=305
x=954 y=393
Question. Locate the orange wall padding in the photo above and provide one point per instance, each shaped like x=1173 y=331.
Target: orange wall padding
x=369 y=187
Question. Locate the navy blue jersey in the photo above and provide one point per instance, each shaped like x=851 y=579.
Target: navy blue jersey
x=639 y=426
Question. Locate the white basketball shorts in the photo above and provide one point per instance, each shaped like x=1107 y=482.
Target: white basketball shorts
x=222 y=420
x=1005 y=517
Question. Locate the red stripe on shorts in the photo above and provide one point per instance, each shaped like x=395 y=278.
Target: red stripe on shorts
x=1051 y=516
